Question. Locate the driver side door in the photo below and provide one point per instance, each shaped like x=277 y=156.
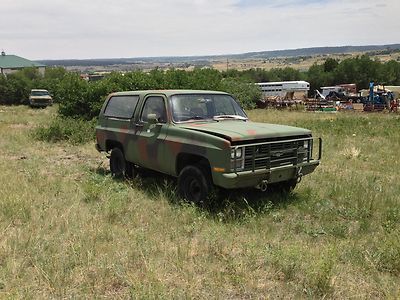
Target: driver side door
x=151 y=137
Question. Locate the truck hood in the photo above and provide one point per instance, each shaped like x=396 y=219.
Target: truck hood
x=241 y=131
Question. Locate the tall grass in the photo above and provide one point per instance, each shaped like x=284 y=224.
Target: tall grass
x=75 y=131
x=69 y=230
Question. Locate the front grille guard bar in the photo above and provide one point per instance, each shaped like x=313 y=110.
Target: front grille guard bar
x=309 y=152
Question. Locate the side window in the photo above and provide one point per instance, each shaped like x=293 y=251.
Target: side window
x=121 y=106
x=154 y=105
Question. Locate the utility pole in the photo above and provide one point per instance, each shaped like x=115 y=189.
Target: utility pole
x=227 y=64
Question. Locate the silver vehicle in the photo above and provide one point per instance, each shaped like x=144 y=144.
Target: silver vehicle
x=40 y=98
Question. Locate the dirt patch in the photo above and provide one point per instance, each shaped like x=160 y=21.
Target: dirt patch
x=21 y=126
x=67 y=157
x=13 y=157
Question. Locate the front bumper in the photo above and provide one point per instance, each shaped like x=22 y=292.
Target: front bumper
x=254 y=178
x=272 y=162
x=40 y=103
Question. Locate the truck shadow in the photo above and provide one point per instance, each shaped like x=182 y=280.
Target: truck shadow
x=224 y=205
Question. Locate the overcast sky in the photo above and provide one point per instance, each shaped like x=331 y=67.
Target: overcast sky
x=52 y=29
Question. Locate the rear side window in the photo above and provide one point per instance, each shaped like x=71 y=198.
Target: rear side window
x=121 y=106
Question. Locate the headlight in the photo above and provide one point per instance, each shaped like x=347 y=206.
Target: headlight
x=308 y=147
x=238 y=152
x=237 y=159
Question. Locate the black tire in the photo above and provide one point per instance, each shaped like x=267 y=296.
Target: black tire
x=130 y=170
x=286 y=186
x=117 y=163
x=194 y=184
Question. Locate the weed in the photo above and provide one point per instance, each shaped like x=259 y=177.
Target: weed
x=17 y=211
x=386 y=254
x=391 y=219
x=319 y=276
x=352 y=152
x=92 y=191
x=75 y=131
x=287 y=261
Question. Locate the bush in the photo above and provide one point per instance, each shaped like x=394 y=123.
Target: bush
x=246 y=93
x=73 y=93
x=81 y=99
x=15 y=88
x=53 y=76
x=75 y=131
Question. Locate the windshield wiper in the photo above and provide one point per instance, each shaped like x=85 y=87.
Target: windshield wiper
x=192 y=118
x=229 y=117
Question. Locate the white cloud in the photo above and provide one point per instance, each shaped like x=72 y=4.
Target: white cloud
x=123 y=28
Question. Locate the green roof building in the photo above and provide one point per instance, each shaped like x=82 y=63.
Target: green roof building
x=13 y=63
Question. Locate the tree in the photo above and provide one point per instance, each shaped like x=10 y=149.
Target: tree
x=246 y=93
x=330 y=65
x=391 y=72
x=318 y=78
x=73 y=93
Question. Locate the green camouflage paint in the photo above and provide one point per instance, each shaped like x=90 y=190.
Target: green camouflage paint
x=160 y=146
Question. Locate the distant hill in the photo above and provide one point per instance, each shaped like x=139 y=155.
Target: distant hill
x=203 y=59
x=317 y=51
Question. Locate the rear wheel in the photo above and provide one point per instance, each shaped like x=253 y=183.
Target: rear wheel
x=194 y=184
x=130 y=170
x=118 y=164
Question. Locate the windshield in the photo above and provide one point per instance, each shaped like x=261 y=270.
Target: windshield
x=201 y=106
x=39 y=93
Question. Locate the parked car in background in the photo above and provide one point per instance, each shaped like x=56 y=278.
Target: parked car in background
x=40 y=98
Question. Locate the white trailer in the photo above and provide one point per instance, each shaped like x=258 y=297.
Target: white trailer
x=282 y=88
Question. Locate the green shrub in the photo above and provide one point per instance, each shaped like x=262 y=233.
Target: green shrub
x=15 y=88
x=246 y=93
x=82 y=99
x=73 y=93
x=75 y=131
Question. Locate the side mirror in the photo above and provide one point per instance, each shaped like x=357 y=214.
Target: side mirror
x=152 y=118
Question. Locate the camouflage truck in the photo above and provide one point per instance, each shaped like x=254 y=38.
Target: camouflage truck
x=203 y=138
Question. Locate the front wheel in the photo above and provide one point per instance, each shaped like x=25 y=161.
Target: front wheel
x=193 y=184
x=286 y=186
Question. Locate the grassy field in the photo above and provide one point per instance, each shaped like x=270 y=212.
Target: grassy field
x=68 y=230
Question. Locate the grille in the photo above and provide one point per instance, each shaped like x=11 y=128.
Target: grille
x=40 y=101
x=271 y=155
